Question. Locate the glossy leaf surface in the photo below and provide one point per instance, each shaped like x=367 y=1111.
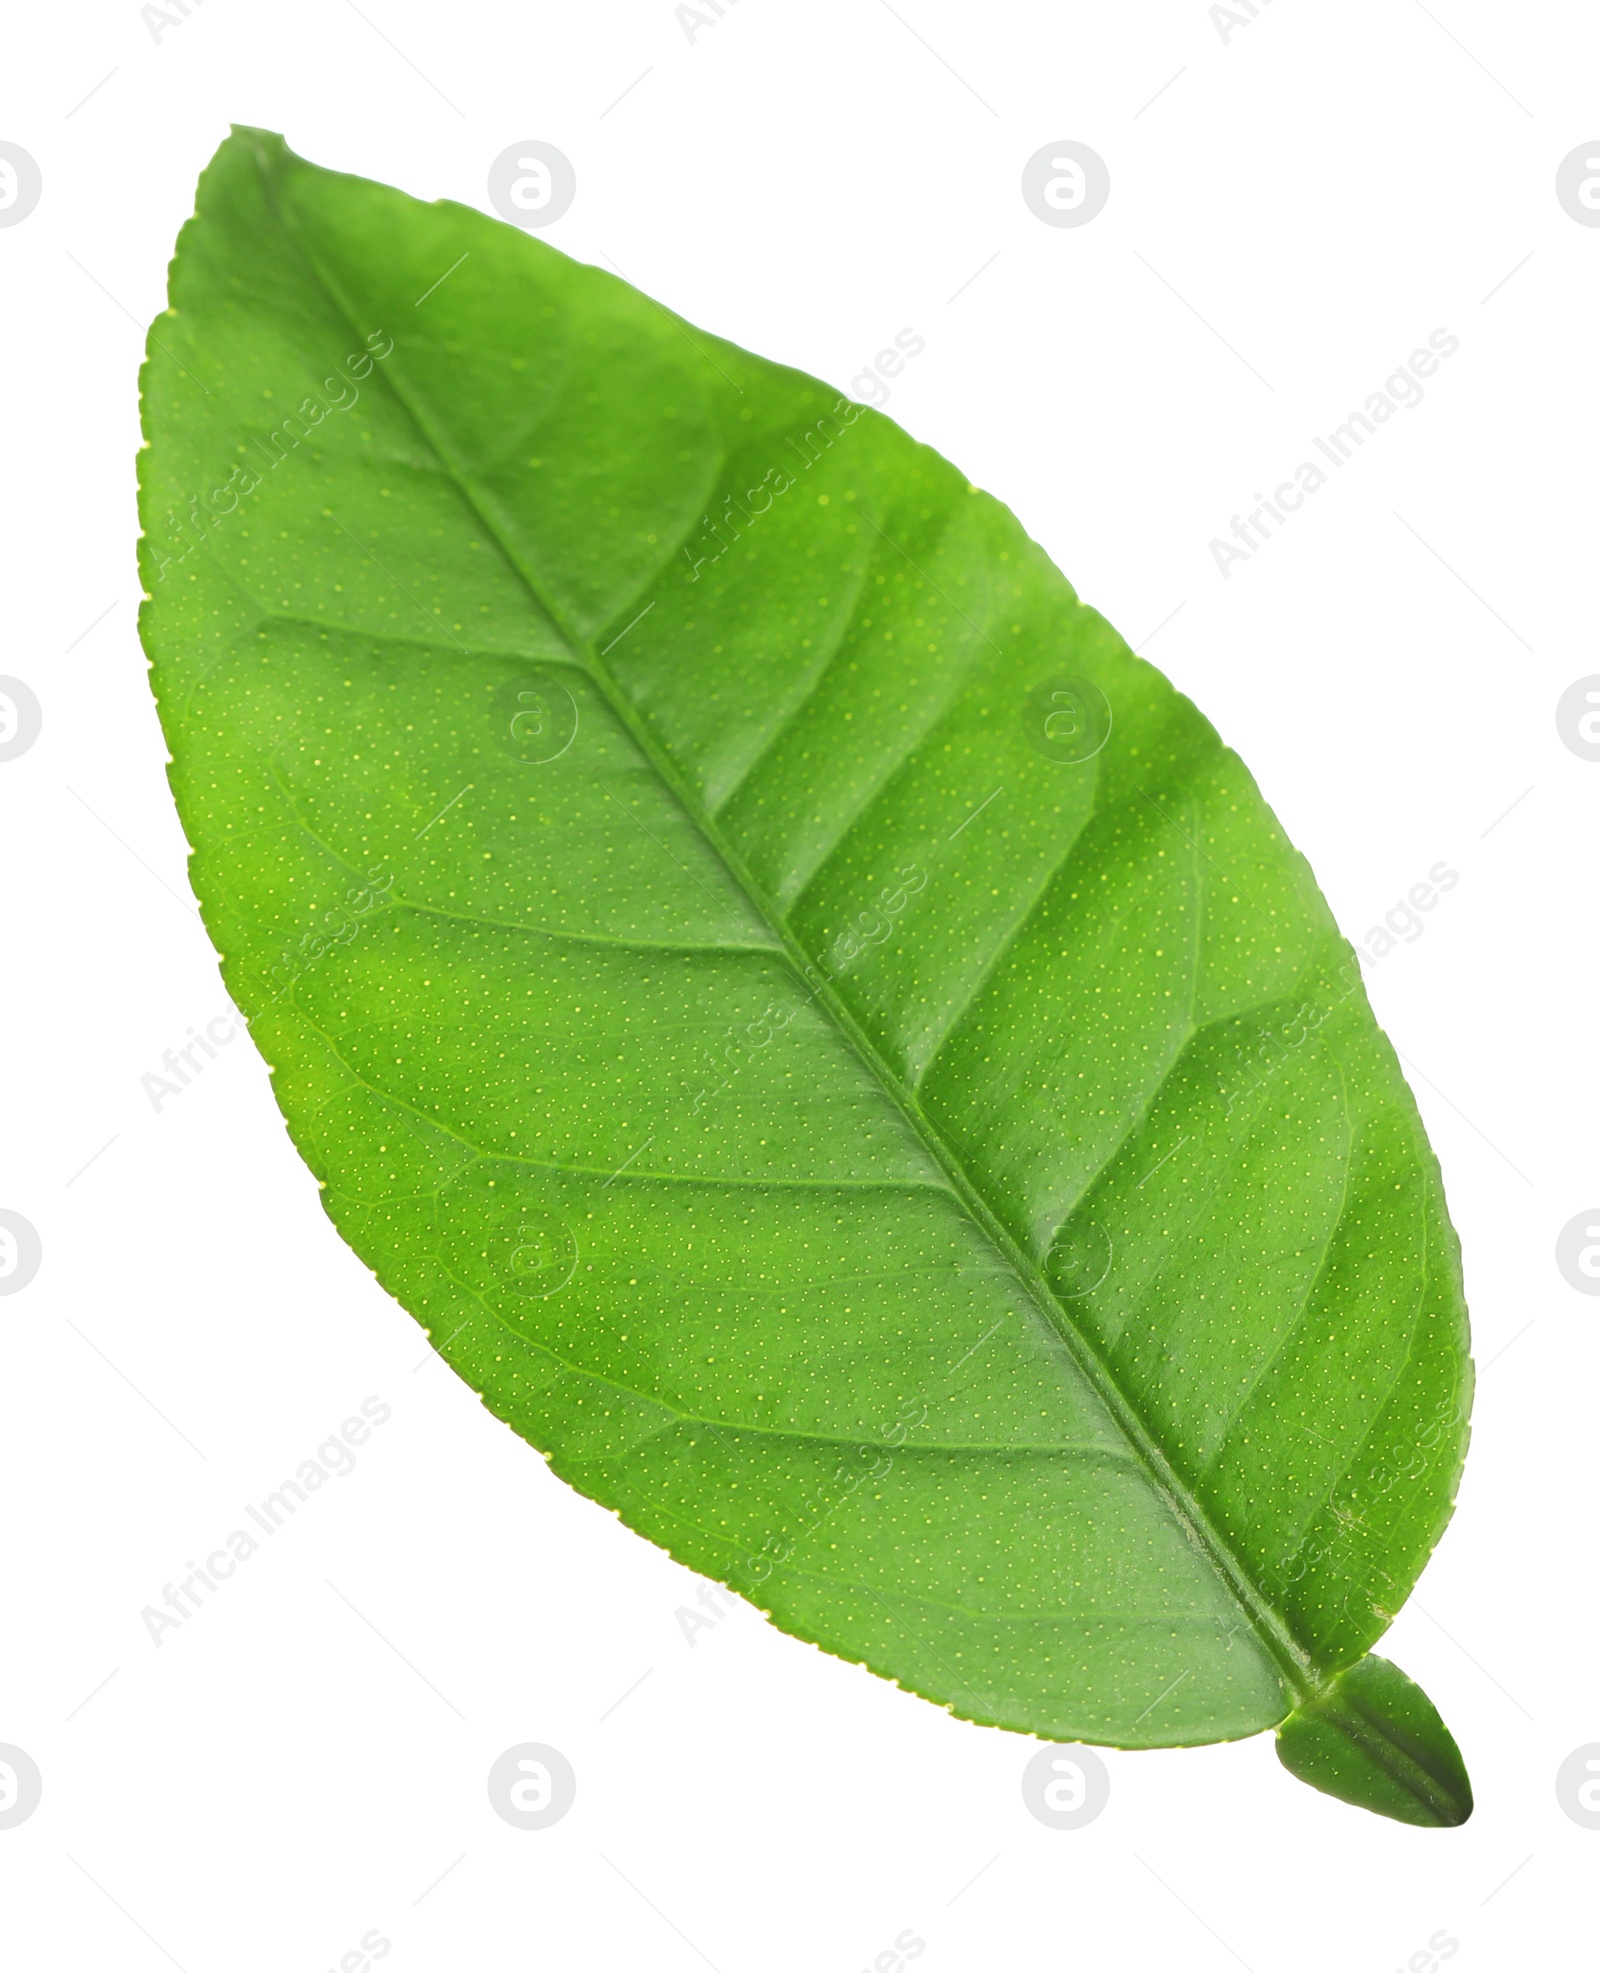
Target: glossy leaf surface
x=1374 y=1738
x=828 y=1043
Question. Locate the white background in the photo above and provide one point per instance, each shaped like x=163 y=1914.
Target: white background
x=1301 y=205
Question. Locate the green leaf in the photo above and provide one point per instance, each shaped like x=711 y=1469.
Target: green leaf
x=1375 y=1739
x=826 y=1041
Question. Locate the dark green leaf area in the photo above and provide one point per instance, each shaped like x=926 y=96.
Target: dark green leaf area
x=1375 y=1739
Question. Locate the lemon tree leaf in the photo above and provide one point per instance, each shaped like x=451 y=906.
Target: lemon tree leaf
x=828 y=1043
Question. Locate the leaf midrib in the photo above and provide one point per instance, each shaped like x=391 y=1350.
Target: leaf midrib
x=1303 y=1676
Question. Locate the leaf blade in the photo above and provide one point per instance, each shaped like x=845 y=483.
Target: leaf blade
x=960 y=1049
